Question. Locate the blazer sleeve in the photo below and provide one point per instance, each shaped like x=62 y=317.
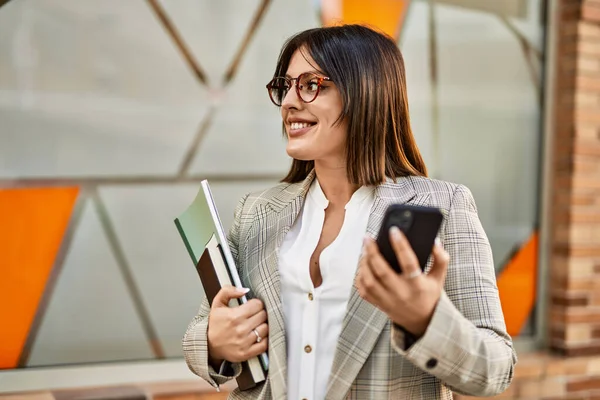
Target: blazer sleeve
x=195 y=340
x=466 y=345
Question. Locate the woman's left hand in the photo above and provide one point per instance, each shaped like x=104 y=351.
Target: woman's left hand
x=410 y=298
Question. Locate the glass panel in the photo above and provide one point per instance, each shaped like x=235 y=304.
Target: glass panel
x=476 y=113
x=102 y=95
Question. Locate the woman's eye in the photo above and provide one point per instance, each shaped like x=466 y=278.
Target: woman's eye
x=312 y=86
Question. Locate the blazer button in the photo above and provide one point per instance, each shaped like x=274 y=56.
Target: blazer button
x=310 y=296
x=431 y=363
x=307 y=349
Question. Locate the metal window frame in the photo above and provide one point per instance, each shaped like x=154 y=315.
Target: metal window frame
x=539 y=340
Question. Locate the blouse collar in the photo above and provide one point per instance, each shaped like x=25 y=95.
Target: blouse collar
x=316 y=194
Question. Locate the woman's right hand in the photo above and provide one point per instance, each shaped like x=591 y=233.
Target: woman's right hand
x=231 y=331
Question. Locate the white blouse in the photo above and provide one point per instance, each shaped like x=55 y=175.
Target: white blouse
x=314 y=316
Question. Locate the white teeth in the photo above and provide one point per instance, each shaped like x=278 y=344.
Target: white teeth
x=299 y=125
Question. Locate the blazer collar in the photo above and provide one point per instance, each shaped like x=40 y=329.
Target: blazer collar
x=398 y=190
x=293 y=193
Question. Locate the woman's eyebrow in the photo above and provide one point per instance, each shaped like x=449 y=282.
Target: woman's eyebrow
x=312 y=71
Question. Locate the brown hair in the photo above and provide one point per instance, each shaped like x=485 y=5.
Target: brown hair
x=368 y=70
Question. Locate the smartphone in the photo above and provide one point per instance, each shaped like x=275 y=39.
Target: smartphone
x=419 y=224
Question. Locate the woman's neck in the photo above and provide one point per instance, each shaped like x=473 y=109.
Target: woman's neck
x=334 y=182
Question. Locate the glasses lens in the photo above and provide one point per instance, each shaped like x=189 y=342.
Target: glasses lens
x=308 y=85
x=278 y=89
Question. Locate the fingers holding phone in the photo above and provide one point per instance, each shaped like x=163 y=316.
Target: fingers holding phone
x=407 y=259
x=441 y=259
x=409 y=263
x=391 y=270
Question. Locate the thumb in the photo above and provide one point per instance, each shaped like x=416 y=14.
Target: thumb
x=227 y=293
x=441 y=258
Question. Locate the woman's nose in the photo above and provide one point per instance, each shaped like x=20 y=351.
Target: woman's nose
x=291 y=100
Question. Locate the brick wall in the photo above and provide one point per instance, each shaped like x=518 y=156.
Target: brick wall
x=544 y=376
x=570 y=368
x=575 y=261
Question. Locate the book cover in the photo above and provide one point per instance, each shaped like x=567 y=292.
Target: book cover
x=202 y=233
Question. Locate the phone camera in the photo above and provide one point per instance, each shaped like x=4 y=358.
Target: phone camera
x=405 y=220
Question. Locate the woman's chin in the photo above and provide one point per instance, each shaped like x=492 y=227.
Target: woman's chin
x=299 y=153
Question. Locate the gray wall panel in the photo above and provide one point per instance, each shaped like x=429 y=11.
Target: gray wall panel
x=245 y=137
x=83 y=92
x=91 y=316
x=213 y=30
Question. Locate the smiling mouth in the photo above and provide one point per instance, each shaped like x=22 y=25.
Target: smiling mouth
x=294 y=126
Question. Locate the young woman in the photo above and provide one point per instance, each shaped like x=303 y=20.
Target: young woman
x=336 y=320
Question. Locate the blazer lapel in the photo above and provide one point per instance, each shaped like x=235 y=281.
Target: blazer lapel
x=363 y=322
x=273 y=223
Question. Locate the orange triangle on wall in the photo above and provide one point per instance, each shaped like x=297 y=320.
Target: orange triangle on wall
x=32 y=225
x=517 y=286
x=386 y=15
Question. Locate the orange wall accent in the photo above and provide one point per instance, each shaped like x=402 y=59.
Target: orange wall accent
x=517 y=285
x=32 y=225
x=387 y=15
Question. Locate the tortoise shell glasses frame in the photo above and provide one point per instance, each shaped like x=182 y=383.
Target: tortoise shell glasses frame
x=308 y=86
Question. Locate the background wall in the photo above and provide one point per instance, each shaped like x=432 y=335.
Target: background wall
x=112 y=112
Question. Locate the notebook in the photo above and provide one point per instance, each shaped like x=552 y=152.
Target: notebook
x=202 y=233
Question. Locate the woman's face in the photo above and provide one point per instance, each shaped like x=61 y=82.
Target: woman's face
x=310 y=128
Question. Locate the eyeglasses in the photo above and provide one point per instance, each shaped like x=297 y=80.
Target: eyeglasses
x=308 y=86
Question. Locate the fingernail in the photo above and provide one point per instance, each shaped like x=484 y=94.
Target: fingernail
x=243 y=290
x=395 y=232
x=438 y=242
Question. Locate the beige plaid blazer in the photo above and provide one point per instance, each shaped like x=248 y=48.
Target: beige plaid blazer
x=465 y=349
